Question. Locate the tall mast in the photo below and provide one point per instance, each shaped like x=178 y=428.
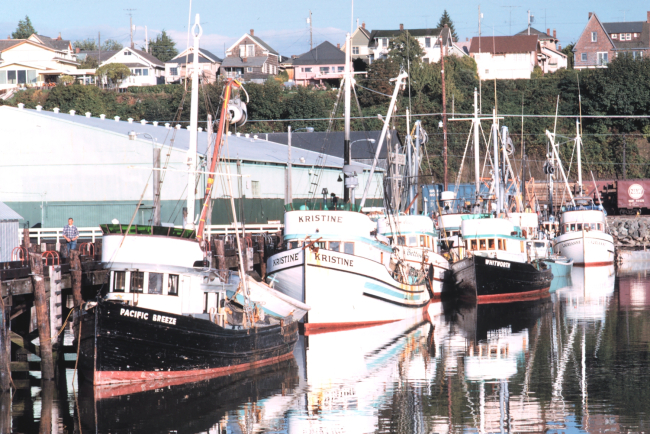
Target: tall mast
x=197 y=31
x=477 y=180
x=347 y=157
x=579 y=145
x=444 y=107
x=495 y=165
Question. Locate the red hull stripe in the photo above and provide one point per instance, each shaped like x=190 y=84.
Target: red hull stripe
x=170 y=378
x=594 y=264
x=507 y=298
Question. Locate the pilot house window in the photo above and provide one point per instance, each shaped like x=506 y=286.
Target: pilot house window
x=348 y=248
x=173 y=284
x=482 y=244
x=119 y=281
x=155 y=283
x=335 y=246
x=491 y=244
x=137 y=281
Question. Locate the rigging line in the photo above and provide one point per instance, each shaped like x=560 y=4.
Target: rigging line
x=363 y=124
x=462 y=162
x=370 y=90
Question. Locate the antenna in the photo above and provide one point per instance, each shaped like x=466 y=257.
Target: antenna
x=311 y=38
x=130 y=11
x=624 y=10
x=511 y=8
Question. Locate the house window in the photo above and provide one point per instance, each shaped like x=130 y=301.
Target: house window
x=173 y=71
x=355 y=50
x=384 y=42
x=583 y=57
x=487 y=71
x=425 y=60
x=614 y=35
x=628 y=36
x=145 y=71
x=249 y=69
x=324 y=69
x=255 y=189
x=636 y=35
x=594 y=37
x=306 y=69
x=31 y=76
x=637 y=54
x=341 y=68
x=127 y=53
x=137 y=71
x=602 y=58
x=3 y=77
x=427 y=42
x=22 y=77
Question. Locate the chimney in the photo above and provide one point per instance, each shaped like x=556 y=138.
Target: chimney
x=252 y=32
x=59 y=38
x=548 y=32
x=648 y=17
x=77 y=50
x=338 y=46
x=364 y=24
x=554 y=34
x=243 y=59
x=590 y=14
x=401 y=27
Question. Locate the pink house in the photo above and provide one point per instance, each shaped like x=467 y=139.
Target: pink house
x=323 y=63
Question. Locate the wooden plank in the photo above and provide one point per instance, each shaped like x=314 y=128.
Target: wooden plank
x=24 y=343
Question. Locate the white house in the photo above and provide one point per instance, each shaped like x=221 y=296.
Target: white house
x=429 y=39
x=552 y=58
x=36 y=61
x=506 y=57
x=146 y=70
x=176 y=68
x=359 y=41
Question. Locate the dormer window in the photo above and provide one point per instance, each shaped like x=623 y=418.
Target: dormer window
x=614 y=36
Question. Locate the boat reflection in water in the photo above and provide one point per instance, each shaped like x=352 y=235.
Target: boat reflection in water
x=347 y=376
x=242 y=402
x=589 y=294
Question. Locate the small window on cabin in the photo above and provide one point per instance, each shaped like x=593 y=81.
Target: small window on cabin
x=137 y=281
x=172 y=284
x=500 y=244
x=413 y=241
x=473 y=245
x=390 y=240
x=335 y=246
x=348 y=248
x=306 y=69
x=482 y=245
x=119 y=281
x=155 y=283
x=491 y=244
x=600 y=226
x=579 y=226
x=401 y=240
x=593 y=226
x=573 y=227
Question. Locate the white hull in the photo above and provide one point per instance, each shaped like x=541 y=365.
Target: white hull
x=273 y=301
x=586 y=248
x=346 y=291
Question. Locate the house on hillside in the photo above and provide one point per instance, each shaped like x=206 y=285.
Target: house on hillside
x=429 y=39
x=359 y=41
x=34 y=62
x=323 y=63
x=146 y=70
x=601 y=42
x=250 y=59
x=506 y=57
x=552 y=58
x=176 y=68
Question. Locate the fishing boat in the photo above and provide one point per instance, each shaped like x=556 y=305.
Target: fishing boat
x=167 y=314
x=583 y=236
x=494 y=265
x=354 y=268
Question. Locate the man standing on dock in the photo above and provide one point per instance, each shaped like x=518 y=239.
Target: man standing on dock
x=71 y=233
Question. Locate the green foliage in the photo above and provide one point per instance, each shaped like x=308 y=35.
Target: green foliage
x=114 y=73
x=85 y=44
x=111 y=45
x=568 y=51
x=66 y=79
x=24 y=29
x=446 y=19
x=404 y=49
x=163 y=47
x=88 y=62
x=537 y=73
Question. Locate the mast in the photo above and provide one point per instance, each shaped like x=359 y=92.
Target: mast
x=477 y=180
x=346 y=143
x=495 y=164
x=444 y=108
x=417 y=163
x=579 y=156
x=197 y=31
x=409 y=161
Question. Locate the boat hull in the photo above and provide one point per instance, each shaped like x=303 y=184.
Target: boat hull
x=346 y=291
x=560 y=268
x=489 y=280
x=123 y=344
x=586 y=248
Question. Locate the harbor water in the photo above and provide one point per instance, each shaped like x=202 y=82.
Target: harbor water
x=575 y=361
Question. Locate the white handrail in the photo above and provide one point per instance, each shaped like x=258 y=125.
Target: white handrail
x=95 y=232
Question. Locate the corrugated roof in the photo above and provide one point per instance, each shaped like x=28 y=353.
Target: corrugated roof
x=264 y=44
x=7 y=213
x=504 y=44
x=240 y=148
x=624 y=27
x=324 y=54
x=237 y=61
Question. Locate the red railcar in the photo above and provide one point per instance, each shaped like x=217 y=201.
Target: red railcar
x=623 y=196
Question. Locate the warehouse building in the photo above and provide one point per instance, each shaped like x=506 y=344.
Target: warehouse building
x=59 y=165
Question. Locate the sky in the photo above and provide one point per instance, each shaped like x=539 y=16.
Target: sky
x=283 y=24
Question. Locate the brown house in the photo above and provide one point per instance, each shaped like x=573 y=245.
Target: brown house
x=250 y=59
x=601 y=42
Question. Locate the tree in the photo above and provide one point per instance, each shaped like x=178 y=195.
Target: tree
x=85 y=45
x=446 y=19
x=405 y=48
x=163 y=47
x=24 y=29
x=114 y=73
x=66 y=79
x=111 y=45
x=88 y=62
x=568 y=51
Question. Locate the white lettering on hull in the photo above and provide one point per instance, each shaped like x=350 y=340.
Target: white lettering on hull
x=137 y=314
x=285 y=259
x=494 y=263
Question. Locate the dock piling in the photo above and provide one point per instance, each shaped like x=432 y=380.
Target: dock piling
x=42 y=318
x=5 y=352
x=75 y=276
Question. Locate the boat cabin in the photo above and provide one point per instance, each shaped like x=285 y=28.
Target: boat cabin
x=497 y=238
x=585 y=215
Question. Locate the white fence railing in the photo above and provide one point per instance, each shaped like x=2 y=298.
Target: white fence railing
x=94 y=232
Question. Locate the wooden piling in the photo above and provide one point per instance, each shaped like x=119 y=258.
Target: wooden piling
x=261 y=251
x=42 y=318
x=47 y=407
x=5 y=412
x=75 y=277
x=26 y=242
x=5 y=350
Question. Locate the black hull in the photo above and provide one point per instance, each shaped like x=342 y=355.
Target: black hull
x=118 y=348
x=493 y=281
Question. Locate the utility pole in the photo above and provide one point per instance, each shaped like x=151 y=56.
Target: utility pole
x=146 y=40
x=99 y=53
x=531 y=18
x=480 y=93
x=311 y=37
x=131 y=24
x=444 y=107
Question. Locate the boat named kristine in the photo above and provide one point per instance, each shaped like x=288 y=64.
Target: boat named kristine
x=167 y=314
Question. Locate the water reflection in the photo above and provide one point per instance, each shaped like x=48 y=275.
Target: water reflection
x=576 y=361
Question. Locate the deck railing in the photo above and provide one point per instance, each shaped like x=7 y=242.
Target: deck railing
x=94 y=232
